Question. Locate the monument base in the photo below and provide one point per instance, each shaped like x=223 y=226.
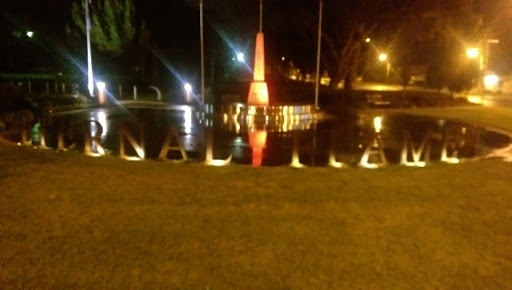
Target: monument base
x=258 y=94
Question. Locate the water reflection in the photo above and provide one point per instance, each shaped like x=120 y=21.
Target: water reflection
x=99 y=117
x=257 y=141
x=297 y=140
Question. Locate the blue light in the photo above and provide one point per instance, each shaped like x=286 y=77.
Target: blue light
x=240 y=57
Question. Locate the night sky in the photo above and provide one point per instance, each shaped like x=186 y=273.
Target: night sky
x=169 y=21
x=175 y=26
x=172 y=22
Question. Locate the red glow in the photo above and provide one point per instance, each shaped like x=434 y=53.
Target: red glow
x=257 y=140
x=258 y=94
x=259 y=58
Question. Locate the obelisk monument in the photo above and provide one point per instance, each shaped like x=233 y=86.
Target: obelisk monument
x=258 y=92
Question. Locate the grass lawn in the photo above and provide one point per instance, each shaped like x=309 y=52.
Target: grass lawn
x=77 y=222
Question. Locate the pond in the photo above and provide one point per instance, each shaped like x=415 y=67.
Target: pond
x=287 y=136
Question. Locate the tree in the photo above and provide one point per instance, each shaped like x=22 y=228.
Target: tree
x=112 y=28
x=436 y=38
x=346 y=25
x=118 y=45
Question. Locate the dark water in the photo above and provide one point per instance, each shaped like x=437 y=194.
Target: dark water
x=351 y=140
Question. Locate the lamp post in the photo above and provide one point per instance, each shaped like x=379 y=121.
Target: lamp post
x=319 y=46
x=383 y=57
x=188 y=91
x=483 y=59
x=201 y=26
x=475 y=53
x=487 y=51
x=101 y=93
x=90 y=80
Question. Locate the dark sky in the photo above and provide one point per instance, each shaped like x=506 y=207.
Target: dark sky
x=175 y=24
x=164 y=17
x=172 y=22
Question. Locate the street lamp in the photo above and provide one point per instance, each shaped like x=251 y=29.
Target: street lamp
x=491 y=82
x=318 y=50
x=476 y=54
x=472 y=52
x=483 y=59
x=101 y=92
x=201 y=36
x=188 y=91
x=240 y=57
x=383 y=57
x=90 y=81
x=487 y=51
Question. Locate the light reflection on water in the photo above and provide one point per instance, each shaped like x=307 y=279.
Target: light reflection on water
x=99 y=116
x=356 y=139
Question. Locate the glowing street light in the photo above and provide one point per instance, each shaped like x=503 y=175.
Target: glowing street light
x=188 y=88
x=491 y=82
x=100 y=85
x=473 y=52
x=377 y=124
x=383 y=57
x=188 y=91
x=483 y=60
x=101 y=92
x=240 y=57
x=30 y=34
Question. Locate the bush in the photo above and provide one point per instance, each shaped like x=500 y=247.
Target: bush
x=12 y=98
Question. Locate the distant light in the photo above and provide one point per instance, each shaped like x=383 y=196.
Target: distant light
x=188 y=88
x=383 y=57
x=475 y=99
x=377 y=124
x=100 y=86
x=368 y=40
x=188 y=120
x=240 y=57
x=491 y=82
x=472 y=52
x=100 y=117
x=30 y=34
x=283 y=58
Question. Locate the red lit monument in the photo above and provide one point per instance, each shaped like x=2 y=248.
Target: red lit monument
x=258 y=93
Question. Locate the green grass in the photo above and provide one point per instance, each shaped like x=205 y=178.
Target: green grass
x=76 y=222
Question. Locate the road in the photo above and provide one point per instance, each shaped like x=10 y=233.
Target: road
x=486 y=99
